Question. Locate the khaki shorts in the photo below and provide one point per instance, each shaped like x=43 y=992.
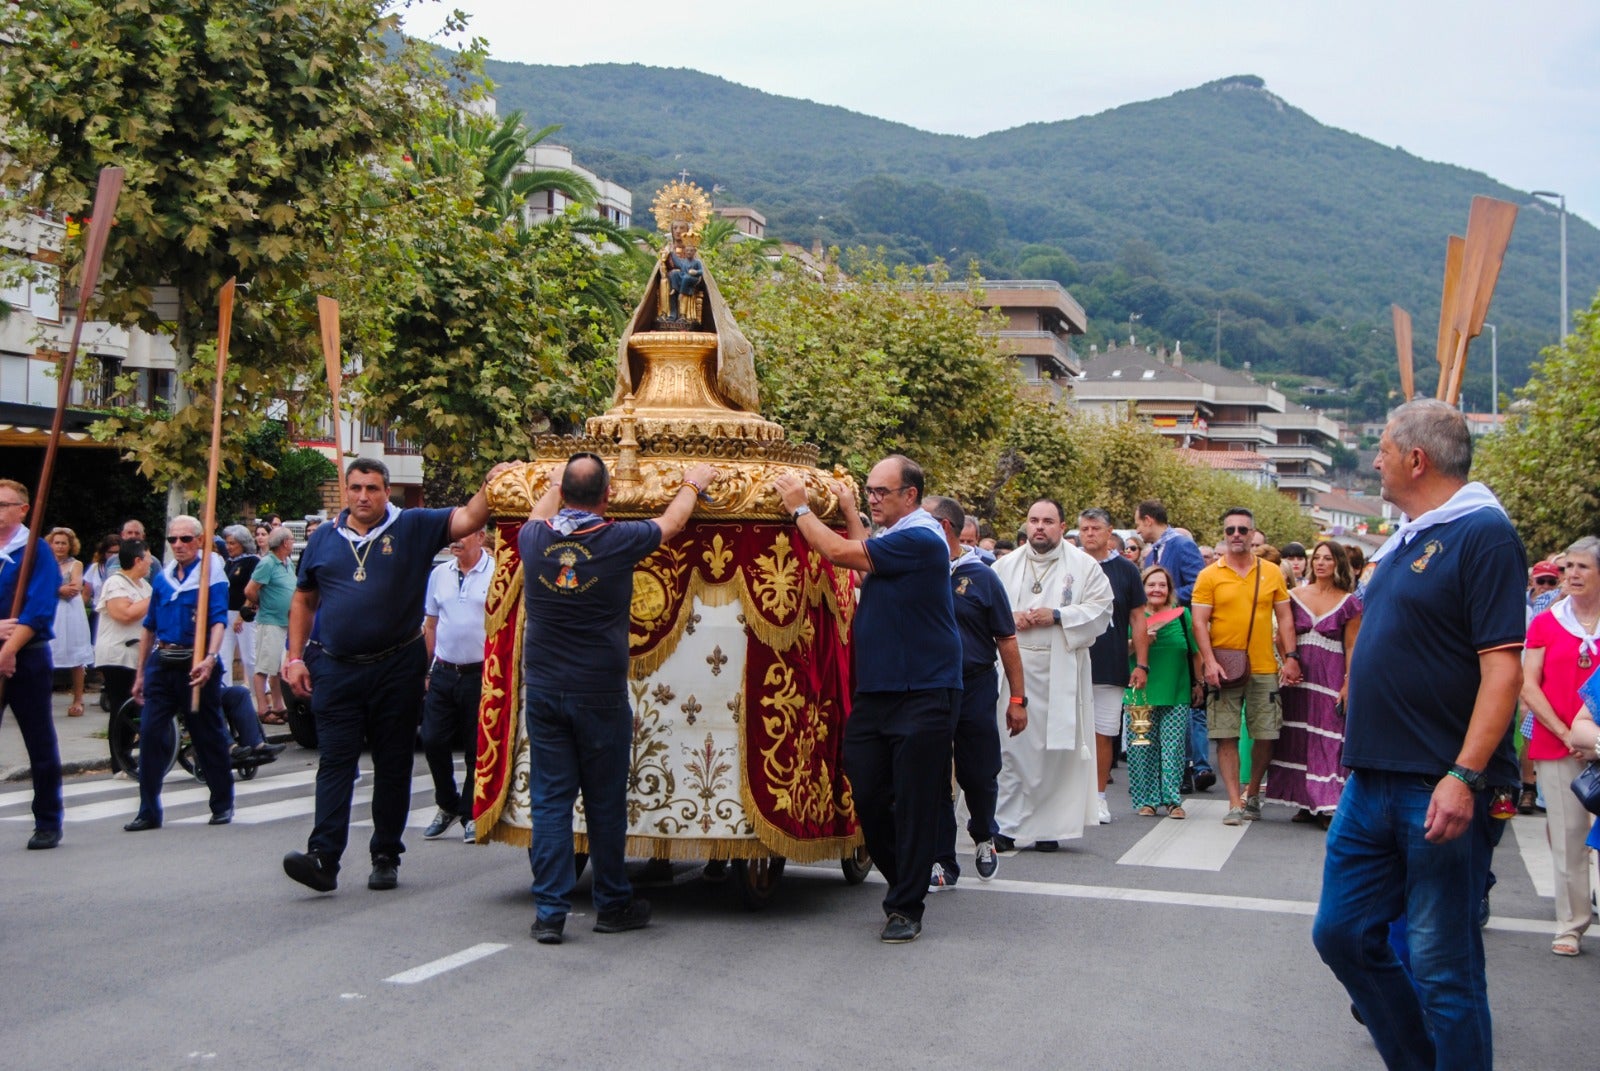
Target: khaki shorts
x=1259 y=697
x=270 y=643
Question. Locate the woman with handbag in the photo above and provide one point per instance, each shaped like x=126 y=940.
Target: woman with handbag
x=1306 y=771
x=1174 y=684
x=1562 y=652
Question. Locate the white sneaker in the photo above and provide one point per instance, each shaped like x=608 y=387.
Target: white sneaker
x=1105 y=812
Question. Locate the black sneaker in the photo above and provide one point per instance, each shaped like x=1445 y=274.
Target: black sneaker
x=385 y=873
x=899 y=930
x=1003 y=843
x=636 y=916
x=442 y=820
x=1203 y=780
x=312 y=869
x=988 y=861
x=548 y=931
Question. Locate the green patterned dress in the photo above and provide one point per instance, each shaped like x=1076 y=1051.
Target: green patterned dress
x=1155 y=770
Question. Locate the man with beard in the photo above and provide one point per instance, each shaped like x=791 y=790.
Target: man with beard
x=1062 y=602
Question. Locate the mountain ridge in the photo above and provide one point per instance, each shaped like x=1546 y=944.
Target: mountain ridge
x=1223 y=196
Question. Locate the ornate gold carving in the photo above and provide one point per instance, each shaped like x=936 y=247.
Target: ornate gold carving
x=743 y=493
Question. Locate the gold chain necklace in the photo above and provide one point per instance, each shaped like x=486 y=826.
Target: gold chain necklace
x=1038 y=576
x=361 y=559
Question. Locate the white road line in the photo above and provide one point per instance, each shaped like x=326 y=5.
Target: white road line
x=85 y=788
x=1201 y=842
x=128 y=803
x=1533 y=844
x=448 y=963
x=295 y=808
x=1163 y=896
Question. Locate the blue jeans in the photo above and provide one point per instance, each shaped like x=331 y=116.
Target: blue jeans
x=578 y=742
x=1377 y=867
x=1199 y=743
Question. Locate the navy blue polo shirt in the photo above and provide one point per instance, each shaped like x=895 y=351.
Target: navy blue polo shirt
x=384 y=610
x=39 y=606
x=172 y=619
x=1108 y=658
x=983 y=612
x=577 y=592
x=905 y=629
x=1431 y=606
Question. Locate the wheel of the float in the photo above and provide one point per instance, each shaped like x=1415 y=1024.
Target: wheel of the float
x=758 y=880
x=857 y=865
x=123 y=736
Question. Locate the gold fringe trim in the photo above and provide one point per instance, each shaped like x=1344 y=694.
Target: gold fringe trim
x=491 y=814
x=815 y=850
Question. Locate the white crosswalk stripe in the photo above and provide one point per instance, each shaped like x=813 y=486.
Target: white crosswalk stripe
x=270 y=797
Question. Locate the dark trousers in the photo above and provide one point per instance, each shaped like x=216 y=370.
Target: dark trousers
x=118 y=686
x=449 y=725
x=377 y=703
x=27 y=693
x=166 y=692
x=897 y=756
x=976 y=751
x=578 y=742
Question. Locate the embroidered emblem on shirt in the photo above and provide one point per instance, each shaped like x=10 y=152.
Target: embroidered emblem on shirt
x=567 y=578
x=1066 y=590
x=386 y=545
x=963 y=584
x=1433 y=547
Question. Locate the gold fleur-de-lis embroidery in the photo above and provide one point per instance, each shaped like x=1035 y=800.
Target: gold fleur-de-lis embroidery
x=717 y=556
x=690 y=707
x=716 y=660
x=777 y=579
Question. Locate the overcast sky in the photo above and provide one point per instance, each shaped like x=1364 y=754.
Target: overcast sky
x=1510 y=89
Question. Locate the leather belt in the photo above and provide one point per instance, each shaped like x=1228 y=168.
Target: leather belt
x=367 y=659
x=464 y=668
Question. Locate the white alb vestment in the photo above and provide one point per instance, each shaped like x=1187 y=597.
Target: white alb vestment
x=1047 y=772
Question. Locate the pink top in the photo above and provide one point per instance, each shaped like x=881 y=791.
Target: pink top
x=1560 y=683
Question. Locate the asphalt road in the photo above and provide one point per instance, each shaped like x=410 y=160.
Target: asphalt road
x=188 y=947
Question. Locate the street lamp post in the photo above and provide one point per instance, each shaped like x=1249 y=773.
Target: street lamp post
x=1494 y=369
x=1561 y=204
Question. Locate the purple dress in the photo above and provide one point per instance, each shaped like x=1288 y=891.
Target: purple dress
x=1306 y=771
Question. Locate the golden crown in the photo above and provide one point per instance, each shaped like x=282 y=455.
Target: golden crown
x=682 y=209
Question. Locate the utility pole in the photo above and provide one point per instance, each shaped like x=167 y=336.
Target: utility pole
x=1216 y=354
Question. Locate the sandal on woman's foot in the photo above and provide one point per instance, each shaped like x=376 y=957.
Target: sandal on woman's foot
x=1303 y=817
x=1146 y=811
x=1565 y=945
x=1177 y=812
x=274 y=717
x=75 y=710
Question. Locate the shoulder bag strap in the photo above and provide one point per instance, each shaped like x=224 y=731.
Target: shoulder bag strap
x=1254 y=599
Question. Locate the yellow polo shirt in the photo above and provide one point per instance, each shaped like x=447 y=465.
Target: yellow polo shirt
x=1228 y=595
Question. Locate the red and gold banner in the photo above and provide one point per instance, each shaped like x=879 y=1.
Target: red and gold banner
x=788 y=717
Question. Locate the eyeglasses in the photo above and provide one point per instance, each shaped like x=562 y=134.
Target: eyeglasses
x=182 y=539
x=1546 y=581
x=875 y=493
x=6 y=505
x=1237 y=529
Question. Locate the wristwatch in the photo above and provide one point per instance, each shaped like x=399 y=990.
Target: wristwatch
x=1055 y=615
x=800 y=511
x=1476 y=780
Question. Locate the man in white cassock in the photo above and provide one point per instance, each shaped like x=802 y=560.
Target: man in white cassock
x=1062 y=602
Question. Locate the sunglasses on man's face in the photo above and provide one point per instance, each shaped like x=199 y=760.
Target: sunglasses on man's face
x=1547 y=581
x=1236 y=529
x=182 y=539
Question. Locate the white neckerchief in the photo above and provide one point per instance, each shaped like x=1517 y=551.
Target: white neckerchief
x=569 y=519
x=177 y=587
x=917 y=518
x=19 y=539
x=1469 y=499
x=1567 y=618
x=392 y=515
x=968 y=555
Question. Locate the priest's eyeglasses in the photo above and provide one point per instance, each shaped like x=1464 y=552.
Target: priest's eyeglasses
x=877 y=493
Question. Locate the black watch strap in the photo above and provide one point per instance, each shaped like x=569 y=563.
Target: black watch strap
x=1476 y=780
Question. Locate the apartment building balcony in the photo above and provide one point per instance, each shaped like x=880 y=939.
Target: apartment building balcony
x=1249 y=434
x=1049 y=352
x=1298 y=454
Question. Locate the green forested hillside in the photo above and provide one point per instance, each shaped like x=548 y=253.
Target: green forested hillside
x=1222 y=197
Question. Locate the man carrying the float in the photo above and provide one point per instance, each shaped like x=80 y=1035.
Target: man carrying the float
x=578 y=583
x=1062 y=602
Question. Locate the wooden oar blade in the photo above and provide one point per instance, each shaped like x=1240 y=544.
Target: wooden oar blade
x=1488 y=233
x=328 y=319
x=1455 y=248
x=224 y=327
x=106 y=193
x=1402 y=346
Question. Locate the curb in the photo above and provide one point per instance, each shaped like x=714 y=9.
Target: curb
x=101 y=765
